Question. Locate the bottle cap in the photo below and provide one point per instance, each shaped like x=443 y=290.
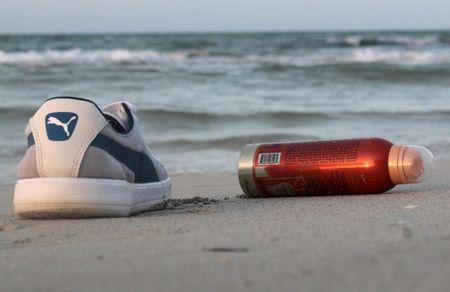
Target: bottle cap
x=409 y=164
x=245 y=171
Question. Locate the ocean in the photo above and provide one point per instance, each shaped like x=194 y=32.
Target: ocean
x=201 y=97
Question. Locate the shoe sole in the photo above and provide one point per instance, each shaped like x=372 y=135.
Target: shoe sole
x=87 y=197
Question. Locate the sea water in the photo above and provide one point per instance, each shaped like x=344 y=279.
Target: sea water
x=201 y=97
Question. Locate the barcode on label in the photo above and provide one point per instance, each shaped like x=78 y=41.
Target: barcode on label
x=269 y=158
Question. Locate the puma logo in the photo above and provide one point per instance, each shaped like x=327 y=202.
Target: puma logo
x=60 y=125
x=65 y=126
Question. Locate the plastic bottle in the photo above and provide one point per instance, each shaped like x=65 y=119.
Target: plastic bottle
x=340 y=167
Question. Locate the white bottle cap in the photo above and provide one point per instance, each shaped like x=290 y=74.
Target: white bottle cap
x=409 y=164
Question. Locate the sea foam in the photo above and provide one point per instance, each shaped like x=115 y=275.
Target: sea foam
x=300 y=58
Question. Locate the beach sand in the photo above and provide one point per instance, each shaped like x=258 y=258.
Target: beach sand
x=398 y=241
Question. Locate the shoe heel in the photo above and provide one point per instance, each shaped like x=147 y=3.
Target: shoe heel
x=72 y=198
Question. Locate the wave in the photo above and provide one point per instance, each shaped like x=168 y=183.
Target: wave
x=163 y=116
x=199 y=57
x=389 y=40
x=12 y=151
x=78 y=56
x=232 y=142
x=167 y=116
x=445 y=40
x=397 y=56
x=16 y=112
x=275 y=63
x=281 y=117
x=114 y=56
x=191 y=116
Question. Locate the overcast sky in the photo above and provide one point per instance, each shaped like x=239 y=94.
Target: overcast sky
x=24 y=16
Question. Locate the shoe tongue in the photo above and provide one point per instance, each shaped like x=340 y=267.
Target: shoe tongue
x=118 y=111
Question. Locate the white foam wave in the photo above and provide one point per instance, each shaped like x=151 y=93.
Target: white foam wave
x=78 y=56
x=359 y=55
x=361 y=40
x=306 y=58
x=397 y=56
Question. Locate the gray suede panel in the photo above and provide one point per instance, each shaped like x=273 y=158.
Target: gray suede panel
x=97 y=163
x=135 y=140
x=27 y=167
x=162 y=173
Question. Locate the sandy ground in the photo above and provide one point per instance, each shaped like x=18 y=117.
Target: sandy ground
x=399 y=241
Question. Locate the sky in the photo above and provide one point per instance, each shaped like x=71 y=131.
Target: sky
x=92 y=16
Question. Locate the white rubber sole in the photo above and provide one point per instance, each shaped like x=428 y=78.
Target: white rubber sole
x=87 y=197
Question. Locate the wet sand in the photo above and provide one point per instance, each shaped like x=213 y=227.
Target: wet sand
x=398 y=241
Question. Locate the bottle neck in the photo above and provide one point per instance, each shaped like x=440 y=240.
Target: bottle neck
x=395 y=164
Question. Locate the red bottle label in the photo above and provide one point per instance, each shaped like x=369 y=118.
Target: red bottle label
x=319 y=168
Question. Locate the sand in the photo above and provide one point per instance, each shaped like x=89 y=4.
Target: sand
x=398 y=241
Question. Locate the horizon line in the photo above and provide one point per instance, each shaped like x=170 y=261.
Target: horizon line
x=229 y=31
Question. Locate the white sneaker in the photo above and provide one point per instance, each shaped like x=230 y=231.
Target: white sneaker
x=85 y=162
